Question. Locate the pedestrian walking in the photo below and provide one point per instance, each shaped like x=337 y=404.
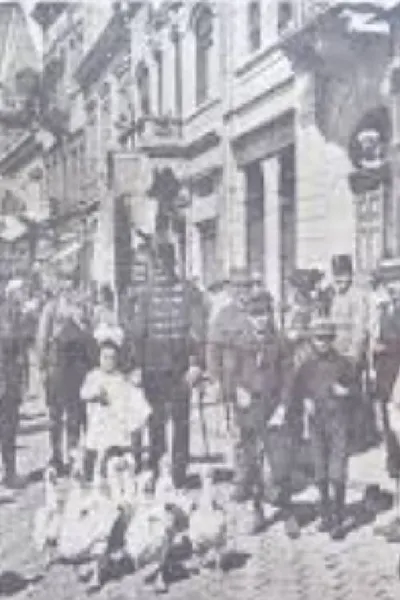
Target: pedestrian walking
x=326 y=385
x=105 y=311
x=235 y=360
x=66 y=353
x=170 y=323
x=11 y=380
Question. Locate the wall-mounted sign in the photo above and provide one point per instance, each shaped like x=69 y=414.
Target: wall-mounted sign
x=369 y=142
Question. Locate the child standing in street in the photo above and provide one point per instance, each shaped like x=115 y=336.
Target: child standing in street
x=116 y=408
x=325 y=385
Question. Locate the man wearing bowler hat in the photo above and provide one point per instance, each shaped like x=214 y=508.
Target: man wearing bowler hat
x=234 y=348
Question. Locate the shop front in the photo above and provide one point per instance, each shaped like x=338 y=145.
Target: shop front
x=267 y=159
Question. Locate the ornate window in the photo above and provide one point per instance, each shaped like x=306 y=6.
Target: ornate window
x=143 y=84
x=203 y=29
x=254 y=25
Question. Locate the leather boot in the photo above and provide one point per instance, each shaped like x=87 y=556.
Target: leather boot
x=337 y=530
x=325 y=521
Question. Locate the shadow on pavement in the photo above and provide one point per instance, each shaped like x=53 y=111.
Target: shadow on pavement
x=11 y=583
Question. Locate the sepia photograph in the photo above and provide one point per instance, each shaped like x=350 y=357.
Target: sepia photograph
x=200 y=299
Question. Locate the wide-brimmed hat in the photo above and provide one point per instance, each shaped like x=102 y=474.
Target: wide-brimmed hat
x=323 y=328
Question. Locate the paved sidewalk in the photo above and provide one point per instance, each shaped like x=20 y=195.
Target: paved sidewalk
x=269 y=565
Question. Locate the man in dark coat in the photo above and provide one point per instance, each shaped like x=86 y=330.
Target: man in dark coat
x=11 y=383
x=66 y=351
x=326 y=385
x=235 y=359
x=169 y=335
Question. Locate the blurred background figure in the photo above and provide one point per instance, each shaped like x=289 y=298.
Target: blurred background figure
x=12 y=344
x=105 y=310
x=218 y=296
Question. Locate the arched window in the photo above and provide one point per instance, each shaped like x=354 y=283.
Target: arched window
x=254 y=25
x=203 y=29
x=143 y=83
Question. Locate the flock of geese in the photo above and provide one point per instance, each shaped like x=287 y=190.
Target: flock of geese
x=128 y=517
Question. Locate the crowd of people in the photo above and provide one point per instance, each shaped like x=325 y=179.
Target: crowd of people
x=109 y=374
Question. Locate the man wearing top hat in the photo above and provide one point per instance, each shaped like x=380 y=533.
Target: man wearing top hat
x=349 y=313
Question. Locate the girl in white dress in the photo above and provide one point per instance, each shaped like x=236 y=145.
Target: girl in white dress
x=116 y=408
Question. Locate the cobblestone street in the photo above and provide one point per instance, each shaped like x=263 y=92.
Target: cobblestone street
x=268 y=565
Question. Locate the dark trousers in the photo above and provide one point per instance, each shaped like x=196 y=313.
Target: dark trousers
x=64 y=413
x=9 y=417
x=169 y=398
x=329 y=443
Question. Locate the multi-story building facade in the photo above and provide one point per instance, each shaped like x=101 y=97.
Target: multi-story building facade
x=20 y=156
x=250 y=132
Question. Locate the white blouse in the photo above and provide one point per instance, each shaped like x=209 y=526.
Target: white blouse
x=112 y=424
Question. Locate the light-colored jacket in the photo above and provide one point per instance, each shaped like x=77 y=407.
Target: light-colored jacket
x=349 y=312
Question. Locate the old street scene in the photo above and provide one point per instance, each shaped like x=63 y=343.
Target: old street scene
x=200 y=299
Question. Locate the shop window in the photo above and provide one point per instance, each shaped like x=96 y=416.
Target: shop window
x=254 y=26
x=203 y=28
x=208 y=244
x=159 y=58
x=255 y=218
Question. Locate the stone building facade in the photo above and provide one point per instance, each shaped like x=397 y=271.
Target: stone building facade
x=271 y=122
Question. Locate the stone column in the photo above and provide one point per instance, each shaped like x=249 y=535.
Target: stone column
x=272 y=227
x=232 y=232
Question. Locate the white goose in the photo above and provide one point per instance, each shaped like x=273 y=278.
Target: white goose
x=208 y=524
x=47 y=518
x=172 y=499
x=150 y=533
